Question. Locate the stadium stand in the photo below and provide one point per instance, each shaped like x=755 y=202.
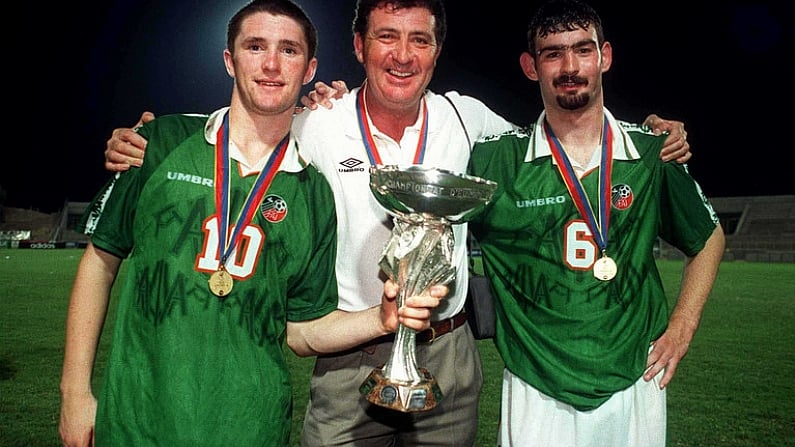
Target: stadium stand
x=758 y=228
x=25 y=228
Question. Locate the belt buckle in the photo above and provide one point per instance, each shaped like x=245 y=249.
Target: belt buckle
x=433 y=335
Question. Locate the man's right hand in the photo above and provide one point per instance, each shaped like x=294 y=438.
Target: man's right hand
x=125 y=147
x=323 y=94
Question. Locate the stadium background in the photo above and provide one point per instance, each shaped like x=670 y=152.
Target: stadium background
x=760 y=228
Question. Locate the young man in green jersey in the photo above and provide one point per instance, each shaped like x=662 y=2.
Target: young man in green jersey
x=582 y=320
x=231 y=242
x=398 y=44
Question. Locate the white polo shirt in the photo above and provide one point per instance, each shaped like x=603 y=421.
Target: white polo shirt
x=332 y=141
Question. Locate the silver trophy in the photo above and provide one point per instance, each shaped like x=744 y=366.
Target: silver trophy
x=424 y=203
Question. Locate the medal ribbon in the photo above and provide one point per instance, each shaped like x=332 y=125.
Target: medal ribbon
x=367 y=136
x=576 y=190
x=222 y=185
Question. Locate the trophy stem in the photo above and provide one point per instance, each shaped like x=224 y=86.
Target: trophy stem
x=400 y=384
x=402 y=364
x=425 y=203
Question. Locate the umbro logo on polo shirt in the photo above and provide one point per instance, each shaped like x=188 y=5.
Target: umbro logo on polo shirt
x=352 y=165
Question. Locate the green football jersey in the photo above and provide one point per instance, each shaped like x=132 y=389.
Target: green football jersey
x=570 y=335
x=186 y=367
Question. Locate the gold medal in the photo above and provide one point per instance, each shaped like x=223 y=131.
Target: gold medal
x=605 y=268
x=221 y=283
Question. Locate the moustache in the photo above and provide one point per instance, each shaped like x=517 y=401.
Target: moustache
x=569 y=80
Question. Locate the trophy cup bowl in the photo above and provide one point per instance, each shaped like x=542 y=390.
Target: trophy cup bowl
x=424 y=203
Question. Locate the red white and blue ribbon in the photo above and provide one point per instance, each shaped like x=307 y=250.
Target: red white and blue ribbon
x=599 y=228
x=367 y=136
x=222 y=189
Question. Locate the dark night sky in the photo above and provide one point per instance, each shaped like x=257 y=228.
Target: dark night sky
x=86 y=68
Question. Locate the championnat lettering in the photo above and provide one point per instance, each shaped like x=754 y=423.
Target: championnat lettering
x=542 y=201
x=436 y=190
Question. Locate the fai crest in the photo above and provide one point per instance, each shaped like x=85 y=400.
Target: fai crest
x=273 y=208
x=621 y=197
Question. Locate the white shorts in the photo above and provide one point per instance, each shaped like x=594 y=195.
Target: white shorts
x=634 y=417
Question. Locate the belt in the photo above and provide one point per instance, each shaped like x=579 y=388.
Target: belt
x=441 y=327
x=437 y=329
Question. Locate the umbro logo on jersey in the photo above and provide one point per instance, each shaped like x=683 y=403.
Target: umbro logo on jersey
x=541 y=201
x=190 y=178
x=352 y=165
x=273 y=208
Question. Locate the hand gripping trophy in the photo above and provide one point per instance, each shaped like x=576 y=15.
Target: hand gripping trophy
x=424 y=203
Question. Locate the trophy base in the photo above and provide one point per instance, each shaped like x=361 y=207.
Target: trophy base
x=407 y=398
